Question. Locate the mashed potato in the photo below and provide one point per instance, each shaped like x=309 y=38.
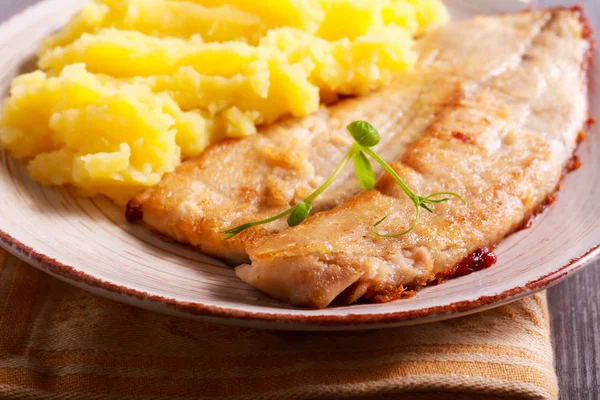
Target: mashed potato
x=99 y=136
x=129 y=88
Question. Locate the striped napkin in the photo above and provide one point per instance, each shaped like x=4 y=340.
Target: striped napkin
x=59 y=342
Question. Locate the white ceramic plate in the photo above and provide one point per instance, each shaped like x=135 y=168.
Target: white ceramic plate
x=89 y=244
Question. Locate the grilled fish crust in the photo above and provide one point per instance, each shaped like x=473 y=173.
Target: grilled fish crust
x=254 y=178
x=501 y=143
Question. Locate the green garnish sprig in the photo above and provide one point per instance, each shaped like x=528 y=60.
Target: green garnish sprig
x=365 y=137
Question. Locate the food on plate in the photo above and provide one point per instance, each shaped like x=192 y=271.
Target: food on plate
x=492 y=112
x=227 y=125
x=260 y=176
x=130 y=88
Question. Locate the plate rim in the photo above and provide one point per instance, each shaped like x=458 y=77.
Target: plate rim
x=453 y=310
x=86 y=281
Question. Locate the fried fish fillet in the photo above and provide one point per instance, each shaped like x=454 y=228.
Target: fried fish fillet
x=254 y=178
x=501 y=143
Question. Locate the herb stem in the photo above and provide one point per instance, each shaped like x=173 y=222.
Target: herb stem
x=233 y=232
x=395 y=235
x=392 y=172
x=335 y=174
x=302 y=212
x=447 y=194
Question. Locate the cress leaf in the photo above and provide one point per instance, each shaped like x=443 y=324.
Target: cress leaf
x=364 y=171
x=425 y=206
x=438 y=201
x=452 y=194
x=300 y=213
x=364 y=133
x=236 y=231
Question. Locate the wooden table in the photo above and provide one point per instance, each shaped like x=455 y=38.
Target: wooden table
x=574 y=304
